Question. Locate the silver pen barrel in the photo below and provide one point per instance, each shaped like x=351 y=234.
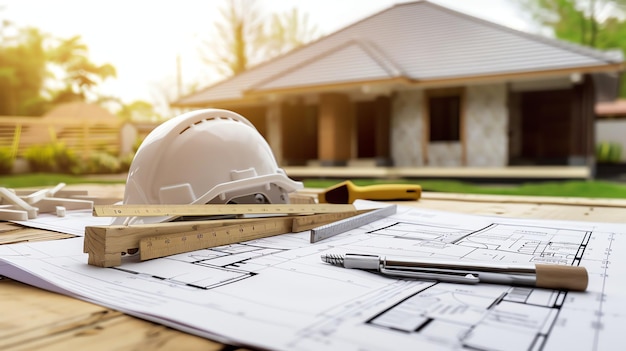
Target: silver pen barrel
x=541 y=275
x=460 y=272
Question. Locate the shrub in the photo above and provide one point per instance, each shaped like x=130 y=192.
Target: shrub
x=53 y=157
x=125 y=162
x=40 y=158
x=608 y=152
x=137 y=144
x=6 y=160
x=100 y=163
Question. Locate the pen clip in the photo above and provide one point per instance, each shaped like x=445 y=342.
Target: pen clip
x=449 y=277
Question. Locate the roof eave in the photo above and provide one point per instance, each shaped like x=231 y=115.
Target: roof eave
x=252 y=96
x=508 y=76
x=326 y=87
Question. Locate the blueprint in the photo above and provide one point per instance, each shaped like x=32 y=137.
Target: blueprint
x=276 y=293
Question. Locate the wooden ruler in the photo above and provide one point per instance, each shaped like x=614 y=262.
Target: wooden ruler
x=165 y=245
x=243 y=230
x=215 y=209
x=106 y=244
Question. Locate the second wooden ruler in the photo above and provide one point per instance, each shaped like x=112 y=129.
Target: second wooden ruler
x=215 y=209
x=245 y=230
x=104 y=244
x=165 y=245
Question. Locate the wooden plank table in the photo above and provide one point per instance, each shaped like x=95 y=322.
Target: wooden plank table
x=32 y=318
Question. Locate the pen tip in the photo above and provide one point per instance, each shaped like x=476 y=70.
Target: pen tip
x=334 y=259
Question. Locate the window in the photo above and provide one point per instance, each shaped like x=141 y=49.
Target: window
x=445 y=118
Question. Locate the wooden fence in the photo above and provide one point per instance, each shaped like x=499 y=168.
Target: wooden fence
x=81 y=136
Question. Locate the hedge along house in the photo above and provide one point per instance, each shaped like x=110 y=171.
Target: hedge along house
x=422 y=85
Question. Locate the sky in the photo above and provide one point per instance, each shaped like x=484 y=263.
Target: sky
x=142 y=39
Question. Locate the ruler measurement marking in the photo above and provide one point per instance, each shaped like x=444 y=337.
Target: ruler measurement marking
x=170 y=244
x=215 y=209
x=104 y=244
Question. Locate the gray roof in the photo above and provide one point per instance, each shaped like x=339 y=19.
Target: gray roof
x=419 y=42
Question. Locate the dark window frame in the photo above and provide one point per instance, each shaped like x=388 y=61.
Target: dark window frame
x=444 y=113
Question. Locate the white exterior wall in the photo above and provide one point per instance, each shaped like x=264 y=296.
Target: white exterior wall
x=487 y=125
x=614 y=131
x=445 y=154
x=486 y=117
x=406 y=129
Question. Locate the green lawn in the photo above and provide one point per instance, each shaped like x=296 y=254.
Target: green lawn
x=49 y=179
x=592 y=189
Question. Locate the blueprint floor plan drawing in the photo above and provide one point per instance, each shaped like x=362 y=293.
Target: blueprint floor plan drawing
x=276 y=293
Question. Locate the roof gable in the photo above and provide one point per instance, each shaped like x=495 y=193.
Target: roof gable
x=420 y=41
x=353 y=61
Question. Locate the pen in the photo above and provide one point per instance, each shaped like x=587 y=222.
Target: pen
x=550 y=276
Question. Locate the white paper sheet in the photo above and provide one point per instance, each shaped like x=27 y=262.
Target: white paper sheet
x=276 y=293
x=74 y=222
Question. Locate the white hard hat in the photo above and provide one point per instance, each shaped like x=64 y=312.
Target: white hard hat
x=205 y=156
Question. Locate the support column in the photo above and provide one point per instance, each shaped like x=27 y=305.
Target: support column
x=383 y=123
x=274 y=131
x=335 y=123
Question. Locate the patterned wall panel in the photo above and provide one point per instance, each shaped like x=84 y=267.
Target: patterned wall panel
x=444 y=154
x=487 y=124
x=406 y=129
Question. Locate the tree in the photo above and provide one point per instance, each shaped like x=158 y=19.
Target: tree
x=244 y=39
x=139 y=111
x=239 y=31
x=595 y=23
x=588 y=22
x=28 y=59
x=288 y=31
x=80 y=75
x=22 y=73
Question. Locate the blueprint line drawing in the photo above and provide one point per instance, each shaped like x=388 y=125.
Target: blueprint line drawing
x=276 y=293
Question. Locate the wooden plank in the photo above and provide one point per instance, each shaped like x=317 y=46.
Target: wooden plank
x=10 y=197
x=572 y=201
x=35 y=319
x=24 y=234
x=105 y=244
x=49 y=204
x=40 y=194
x=527 y=210
x=35 y=196
x=120 y=332
x=6 y=227
x=65 y=192
x=7 y=214
x=21 y=303
x=98 y=200
x=23 y=204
